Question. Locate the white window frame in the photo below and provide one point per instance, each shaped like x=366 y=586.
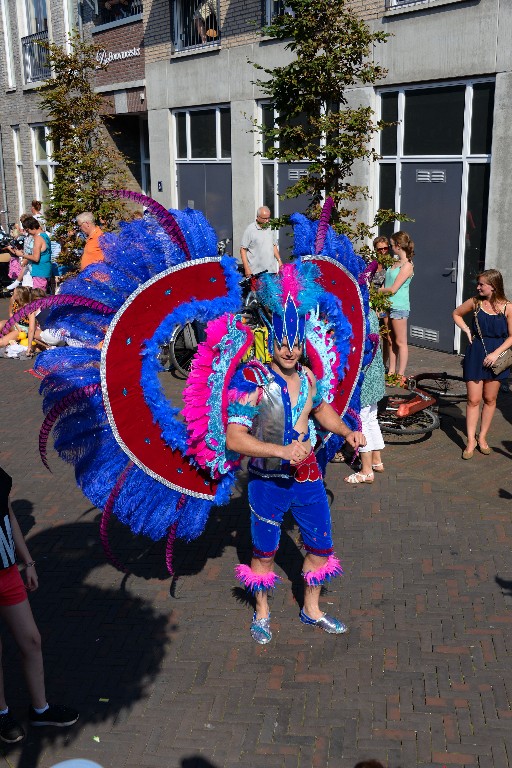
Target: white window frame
x=49 y=164
x=9 y=59
x=18 y=161
x=145 y=166
x=413 y=5
x=218 y=147
x=266 y=162
x=269 y=7
x=465 y=157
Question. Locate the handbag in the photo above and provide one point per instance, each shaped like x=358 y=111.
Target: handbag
x=504 y=361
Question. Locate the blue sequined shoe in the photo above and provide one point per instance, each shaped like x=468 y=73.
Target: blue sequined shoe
x=327 y=623
x=260 y=630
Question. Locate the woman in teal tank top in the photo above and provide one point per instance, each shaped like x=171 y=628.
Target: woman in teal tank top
x=396 y=285
x=41 y=253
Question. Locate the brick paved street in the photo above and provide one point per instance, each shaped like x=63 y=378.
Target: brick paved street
x=423 y=679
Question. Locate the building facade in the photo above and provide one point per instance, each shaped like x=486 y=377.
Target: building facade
x=180 y=87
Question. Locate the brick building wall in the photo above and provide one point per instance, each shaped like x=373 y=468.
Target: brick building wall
x=19 y=103
x=369 y=9
x=128 y=41
x=157 y=31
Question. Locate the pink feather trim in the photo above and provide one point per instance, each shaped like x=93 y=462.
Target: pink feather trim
x=56 y=301
x=256 y=582
x=290 y=283
x=107 y=514
x=197 y=412
x=323 y=224
x=57 y=410
x=330 y=570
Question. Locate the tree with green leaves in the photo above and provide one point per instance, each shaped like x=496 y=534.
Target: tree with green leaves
x=314 y=120
x=87 y=160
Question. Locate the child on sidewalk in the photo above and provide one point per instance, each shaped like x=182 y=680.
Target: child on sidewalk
x=16 y=613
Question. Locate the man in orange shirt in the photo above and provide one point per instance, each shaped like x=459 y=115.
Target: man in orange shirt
x=92 y=251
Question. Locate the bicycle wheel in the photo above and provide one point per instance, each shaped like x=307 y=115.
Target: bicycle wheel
x=419 y=423
x=442 y=385
x=182 y=348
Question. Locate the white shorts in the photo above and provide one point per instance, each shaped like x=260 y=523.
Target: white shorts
x=370 y=429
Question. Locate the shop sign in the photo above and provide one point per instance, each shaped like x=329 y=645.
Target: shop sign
x=105 y=57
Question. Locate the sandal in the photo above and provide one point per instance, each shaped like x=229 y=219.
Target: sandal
x=338 y=458
x=378 y=467
x=358 y=477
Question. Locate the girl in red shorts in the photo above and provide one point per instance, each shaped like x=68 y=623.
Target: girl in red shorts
x=16 y=613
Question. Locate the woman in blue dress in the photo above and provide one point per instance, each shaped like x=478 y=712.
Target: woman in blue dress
x=493 y=314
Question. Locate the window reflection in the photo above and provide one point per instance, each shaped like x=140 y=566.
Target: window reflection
x=434 y=121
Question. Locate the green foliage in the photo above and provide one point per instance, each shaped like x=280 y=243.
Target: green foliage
x=87 y=161
x=379 y=302
x=333 y=52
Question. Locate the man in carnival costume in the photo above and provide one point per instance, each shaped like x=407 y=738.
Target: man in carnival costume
x=160 y=469
x=271 y=424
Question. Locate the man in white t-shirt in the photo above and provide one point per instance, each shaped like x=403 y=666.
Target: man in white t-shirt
x=258 y=250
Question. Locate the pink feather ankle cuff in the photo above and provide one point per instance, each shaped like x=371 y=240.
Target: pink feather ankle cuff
x=330 y=570
x=256 y=582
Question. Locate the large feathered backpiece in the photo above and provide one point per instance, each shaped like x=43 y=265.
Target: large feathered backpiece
x=135 y=456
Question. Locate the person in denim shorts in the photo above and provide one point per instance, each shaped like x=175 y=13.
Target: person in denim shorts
x=396 y=285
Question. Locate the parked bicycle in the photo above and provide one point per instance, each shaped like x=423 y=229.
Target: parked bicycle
x=409 y=414
x=179 y=351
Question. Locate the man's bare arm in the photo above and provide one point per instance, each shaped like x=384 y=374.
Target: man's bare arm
x=245 y=262
x=329 y=420
x=240 y=440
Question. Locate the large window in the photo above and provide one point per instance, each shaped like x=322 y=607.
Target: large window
x=453 y=122
x=43 y=164
x=196 y=23
x=19 y=167
x=35 y=58
x=144 y=157
x=203 y=134
x=9 y=61
x=435 y=167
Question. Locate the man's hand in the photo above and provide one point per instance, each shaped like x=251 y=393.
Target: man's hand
x=296 y=452
x=355 y=439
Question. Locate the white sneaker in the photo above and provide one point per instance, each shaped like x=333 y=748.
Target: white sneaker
x=12 y=286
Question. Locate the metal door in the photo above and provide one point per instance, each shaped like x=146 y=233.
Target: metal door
x=206 y=187
x=431 y=195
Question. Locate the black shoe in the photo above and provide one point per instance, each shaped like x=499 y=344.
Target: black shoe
x=56 y=714
x=10 y=730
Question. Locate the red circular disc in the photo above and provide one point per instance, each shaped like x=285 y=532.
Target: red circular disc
x=129 y=415
x=337 y=280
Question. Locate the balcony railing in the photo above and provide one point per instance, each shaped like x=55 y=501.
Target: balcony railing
x=35 y=57
x=116 y=10
x=196 y=24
